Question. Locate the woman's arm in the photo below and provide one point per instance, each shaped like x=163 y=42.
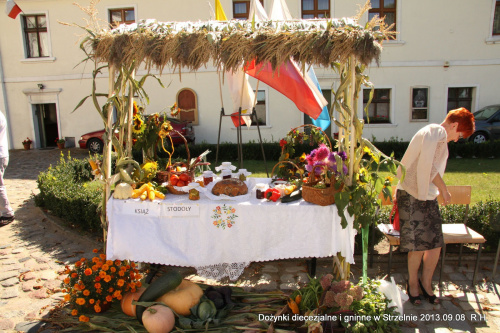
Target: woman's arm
x=439 y=182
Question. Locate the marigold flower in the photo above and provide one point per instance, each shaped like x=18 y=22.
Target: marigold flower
x=67 y=297
x=74 y=312
x=131 y=265
x=109 y=298
x=110 y=289
x=102 y=274
x=112 y=269
x=97 y=308
x=118 y=262
x=117 y=293
x=95 y=260
x=107 y=278
x=138 y=284
x=66 y=280
x=80 y=301
x=95 y=250
x=88 y=272
x=78 y=264
x=91 y=301
x=109 y=262
x=119 y=297
x=97 y=279
x=97 y=286
x=74 y=275
x=105 y=267
x=102 y=256
x=120 y=282
x=86 y=292
x=83 y=318
x=121 y=273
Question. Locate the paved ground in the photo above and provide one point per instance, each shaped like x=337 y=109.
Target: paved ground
x=35 y=248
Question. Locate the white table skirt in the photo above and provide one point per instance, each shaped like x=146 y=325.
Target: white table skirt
x=213 y=235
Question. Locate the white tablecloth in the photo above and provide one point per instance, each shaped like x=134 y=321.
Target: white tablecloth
x=222 y=237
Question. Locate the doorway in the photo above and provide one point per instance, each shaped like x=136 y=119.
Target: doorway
x=45 y=119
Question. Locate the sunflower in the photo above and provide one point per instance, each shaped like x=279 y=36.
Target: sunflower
x=138 y=125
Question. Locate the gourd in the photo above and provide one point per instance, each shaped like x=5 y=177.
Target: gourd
x=158 y=319
x=123 y=191
x=182 y=298
x=126 y=303
x=160 y=286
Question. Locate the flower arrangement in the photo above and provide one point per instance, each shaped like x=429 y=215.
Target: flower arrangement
x=92 y=285
x=27 y=141
x=60 y=141
x=174 y=110
x=324 y=165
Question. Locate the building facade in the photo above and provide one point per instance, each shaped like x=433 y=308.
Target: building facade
x=446 y=54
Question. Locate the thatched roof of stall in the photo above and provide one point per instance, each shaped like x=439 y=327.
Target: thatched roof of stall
x=231 y=44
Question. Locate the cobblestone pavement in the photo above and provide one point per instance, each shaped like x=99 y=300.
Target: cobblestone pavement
x=36 y=246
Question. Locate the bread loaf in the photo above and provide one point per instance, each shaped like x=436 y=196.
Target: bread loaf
x=231 y=187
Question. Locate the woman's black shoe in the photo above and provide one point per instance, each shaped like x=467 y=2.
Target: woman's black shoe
x=415 y=300
x=432 y=299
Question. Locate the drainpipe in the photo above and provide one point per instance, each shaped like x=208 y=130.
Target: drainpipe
x=6 y=104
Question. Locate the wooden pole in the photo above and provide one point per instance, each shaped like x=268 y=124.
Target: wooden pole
x=352 y=134
x=107 y=155
x=130 y=117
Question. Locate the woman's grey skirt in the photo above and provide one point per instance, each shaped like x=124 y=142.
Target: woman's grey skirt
x=420 y=223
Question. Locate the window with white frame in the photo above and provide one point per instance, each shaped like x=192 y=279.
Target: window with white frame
x=496 y=19
x=384 y=9
x=241 y=9
x=119 y=16
x=261 y=109
x=379 y=110
x=419 y=103
x=315 y=9
x=36 y=36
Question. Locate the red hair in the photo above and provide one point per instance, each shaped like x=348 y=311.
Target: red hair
x=465 y=120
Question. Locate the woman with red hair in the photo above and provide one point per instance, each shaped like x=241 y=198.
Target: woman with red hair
x=416 y=196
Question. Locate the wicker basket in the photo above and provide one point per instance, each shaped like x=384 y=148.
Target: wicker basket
x=289 y=162
x=167 y=174
x=319 y=196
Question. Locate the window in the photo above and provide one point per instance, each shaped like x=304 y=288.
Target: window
x=261 y=109
x=459 y=97
x=380 y=107
x=121 y=15
x=241 y=9
x=496 y=19
x=36 y=36
x=384 y=8
x=188 y=103
x=315 y=9
x=419 y=104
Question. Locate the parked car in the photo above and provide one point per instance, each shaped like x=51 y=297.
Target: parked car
x=95 y=144
x=487 y=124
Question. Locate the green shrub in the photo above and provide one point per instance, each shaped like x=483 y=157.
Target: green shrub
x=66 y=192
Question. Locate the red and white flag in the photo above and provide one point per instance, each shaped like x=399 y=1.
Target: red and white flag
x=12 y=9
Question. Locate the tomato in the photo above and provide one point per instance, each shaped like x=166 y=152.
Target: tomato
x=180 y=183
x=174 y=179
x=184 y=177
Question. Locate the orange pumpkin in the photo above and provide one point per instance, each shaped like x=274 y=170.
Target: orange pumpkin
x=158 y=319
x=183 y=298
x=127 y=307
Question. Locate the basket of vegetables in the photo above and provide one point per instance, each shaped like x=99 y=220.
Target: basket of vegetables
x=286 y=190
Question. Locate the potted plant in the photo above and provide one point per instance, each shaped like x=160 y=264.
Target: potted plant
x=60 y=143
x=27 y=144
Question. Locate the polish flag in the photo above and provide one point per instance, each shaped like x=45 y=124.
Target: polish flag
x=12 y=9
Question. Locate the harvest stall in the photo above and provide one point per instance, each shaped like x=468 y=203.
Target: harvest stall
x=222 y=219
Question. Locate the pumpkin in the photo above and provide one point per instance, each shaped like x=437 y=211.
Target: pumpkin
x=123 y=191
x=158 y=319
x=126 y=303
x=183 y=298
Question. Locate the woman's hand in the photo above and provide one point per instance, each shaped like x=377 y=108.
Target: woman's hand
x=446 y=197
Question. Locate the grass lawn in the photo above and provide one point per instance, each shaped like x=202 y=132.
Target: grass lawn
x=482 y=174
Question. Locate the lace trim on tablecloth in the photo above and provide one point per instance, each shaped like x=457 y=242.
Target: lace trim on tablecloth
x=219 y=271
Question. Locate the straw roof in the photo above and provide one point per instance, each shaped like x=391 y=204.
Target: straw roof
x=231 y=44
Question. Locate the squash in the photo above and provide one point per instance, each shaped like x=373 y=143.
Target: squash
x=158 y=319
x=182 y=298
x=123 y=191
x=160 y=286
x=126 y=303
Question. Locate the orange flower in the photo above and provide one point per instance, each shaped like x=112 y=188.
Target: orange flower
x=95 y=259
x=97 y=308
x=83 y=260
x=91 y=301
x=121 y=273
x=94 y=268
x=109 y=298
x=83 y=318
x=67 y=297
x=66 y=280
x=109 y=262
x=74 y=312
x=119 y=297
x=118 y=262
x=102 y=274
x=86 y=292
x=105 y=267
x=95 y=250
x=138 y=284
x=132 y=264
x=97 y=286
x=99 y=291
x=97 y=279
x=112 y=269
x=107 y=278
x=99 y=264
x=110 y=290
x=121 y=282
x=74 y=275
x=117 y=293
x=88 y=272
x=102 y=256
x=80 y=301
x=78 y=264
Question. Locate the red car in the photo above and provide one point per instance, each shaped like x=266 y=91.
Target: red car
x=93 y=140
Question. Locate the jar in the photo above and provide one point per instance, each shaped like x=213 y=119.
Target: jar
x=225 y=174
x=242 y=174
x=259 y=191
x=194 y=194
x=208 y=177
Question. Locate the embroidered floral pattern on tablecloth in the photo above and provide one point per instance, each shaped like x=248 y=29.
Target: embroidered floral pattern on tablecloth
x=224 y=216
